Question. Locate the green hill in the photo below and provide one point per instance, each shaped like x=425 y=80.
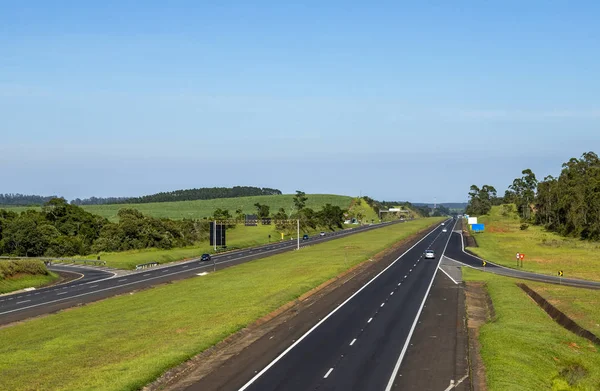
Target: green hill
x=204 y=208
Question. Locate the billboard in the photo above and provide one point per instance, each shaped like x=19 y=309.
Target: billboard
x=472 y=220
x=218 y=234
x=394 y=210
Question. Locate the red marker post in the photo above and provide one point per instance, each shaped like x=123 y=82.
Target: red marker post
x=522 y=256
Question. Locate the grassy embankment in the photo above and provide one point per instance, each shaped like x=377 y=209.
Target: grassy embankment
x=204 y=208
x=545 y=252
x=21 y=274
x=125 y=342
x=524 y=349
x=239 y=237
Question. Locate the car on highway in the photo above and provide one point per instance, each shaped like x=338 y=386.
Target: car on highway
x=444 y=230
x=205 y=257
x=322 y=233
x=443 y=223
x=305 y=237
x=429 y=254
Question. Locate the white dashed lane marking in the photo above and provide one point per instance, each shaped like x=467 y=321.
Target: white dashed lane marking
x=328 y=373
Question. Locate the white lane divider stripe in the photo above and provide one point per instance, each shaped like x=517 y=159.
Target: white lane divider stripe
x=352 y=343
x=369 y=321
x=328 y=373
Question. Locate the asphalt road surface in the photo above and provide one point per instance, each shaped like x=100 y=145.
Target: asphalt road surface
x=456 y=252
x=361 y=344
x=97 y=284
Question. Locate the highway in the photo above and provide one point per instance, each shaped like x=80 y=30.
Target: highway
x=96 y=284
x=456 y=252
x=361 y=343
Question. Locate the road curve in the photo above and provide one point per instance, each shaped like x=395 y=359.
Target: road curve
x=456 y=252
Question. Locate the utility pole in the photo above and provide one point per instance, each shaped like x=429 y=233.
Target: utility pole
x=215 y=234
x=298 y=234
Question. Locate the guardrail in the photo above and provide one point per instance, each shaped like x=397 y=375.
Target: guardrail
x=50 y=261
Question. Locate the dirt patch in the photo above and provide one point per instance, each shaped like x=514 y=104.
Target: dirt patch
x=480 y=310
x=256 y=342
x=559 y=316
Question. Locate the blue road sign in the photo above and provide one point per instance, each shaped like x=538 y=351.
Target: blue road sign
x=477 y=227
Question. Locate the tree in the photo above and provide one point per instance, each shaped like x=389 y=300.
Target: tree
x=523 y=192
x=300 y=200
x=262 y=211
x=480 y=200
x=330 y=217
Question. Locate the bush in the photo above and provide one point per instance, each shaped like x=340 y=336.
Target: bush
x=524 y=226
x=22 y=266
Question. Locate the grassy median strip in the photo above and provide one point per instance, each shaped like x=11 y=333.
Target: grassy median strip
x=239 y=237
x=545 y=252
x=524 y=349
x=125 y=342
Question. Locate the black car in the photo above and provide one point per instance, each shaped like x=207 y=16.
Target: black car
x=205 y=257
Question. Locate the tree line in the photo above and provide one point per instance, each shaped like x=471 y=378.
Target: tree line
x=205 y=193
x=568 y=204
x=23 y=200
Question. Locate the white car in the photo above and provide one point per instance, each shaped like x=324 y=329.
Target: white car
x=429 y=254
x=443 y=223
x=322 y=233
x=444 y=230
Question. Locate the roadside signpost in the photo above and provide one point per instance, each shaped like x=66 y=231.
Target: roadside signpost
x=560 y=276
x=484 y=263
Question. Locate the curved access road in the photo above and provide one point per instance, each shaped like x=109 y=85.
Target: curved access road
x=457 y=253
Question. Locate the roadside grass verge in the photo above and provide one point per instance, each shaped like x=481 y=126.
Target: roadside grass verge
x=581 y=305
x=239 y=237
x=524 y=349
x=545 y=252
x=125 y=342
x=23 y=281
x=23 y=273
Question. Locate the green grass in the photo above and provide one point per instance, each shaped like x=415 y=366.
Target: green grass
x=581 y=305
x=239 y=237
x=523 y=349
x=26 y=281
x=545 y=252
x=204 y=208
x=125 y=342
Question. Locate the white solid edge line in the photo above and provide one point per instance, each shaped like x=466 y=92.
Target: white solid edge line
x=414 y=325
x=449 y=276
x=265 y=369
x=157 y=277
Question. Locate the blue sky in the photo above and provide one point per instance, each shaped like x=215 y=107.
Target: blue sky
x=394 y=100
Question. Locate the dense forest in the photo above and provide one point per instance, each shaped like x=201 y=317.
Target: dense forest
x=205 y=193
x=568 y=204
x=23 y=200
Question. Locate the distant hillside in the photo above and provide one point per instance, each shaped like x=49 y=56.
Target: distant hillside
x=449 y=205
x=203 y=208
x=204 y=193
x=23 y=200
